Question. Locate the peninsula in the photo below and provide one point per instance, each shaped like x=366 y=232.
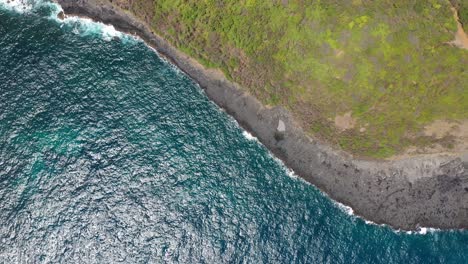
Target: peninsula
x=367 y=100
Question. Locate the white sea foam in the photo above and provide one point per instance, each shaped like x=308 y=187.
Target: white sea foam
x=249 y=136
x=422 y=231
x=292 y=174
x=88 y=27
x=347 y=209
x=289 y=172
x=28 y=6
x=171 y=65
x=79 y=25
x=20 y=6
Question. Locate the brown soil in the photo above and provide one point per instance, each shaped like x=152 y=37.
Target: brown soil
x=461 y=38
x=442 y=128
x=345 y=122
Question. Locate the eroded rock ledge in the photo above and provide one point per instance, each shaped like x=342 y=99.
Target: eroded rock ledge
x=429 y=191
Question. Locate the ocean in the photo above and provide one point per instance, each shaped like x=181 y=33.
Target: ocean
x=110 y=154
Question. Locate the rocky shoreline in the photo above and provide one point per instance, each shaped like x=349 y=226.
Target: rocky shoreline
x=426 y=191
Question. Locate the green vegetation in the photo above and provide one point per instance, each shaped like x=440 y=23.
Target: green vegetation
x=386 y=61
x=462 y=8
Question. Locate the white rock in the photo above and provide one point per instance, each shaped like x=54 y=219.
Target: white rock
x=281 y=126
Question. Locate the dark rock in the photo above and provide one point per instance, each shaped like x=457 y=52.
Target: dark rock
x=61 y=15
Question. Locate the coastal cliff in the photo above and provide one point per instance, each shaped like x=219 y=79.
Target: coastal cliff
x=428 y=191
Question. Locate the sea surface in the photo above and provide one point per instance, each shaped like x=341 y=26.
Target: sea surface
x=109 y=154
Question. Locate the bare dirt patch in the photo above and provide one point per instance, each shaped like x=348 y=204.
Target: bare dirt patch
x=438 y=129
x=461 y=38
x=441 y=128
x=345 y=121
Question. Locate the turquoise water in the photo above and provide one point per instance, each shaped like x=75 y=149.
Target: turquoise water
x=109 y=154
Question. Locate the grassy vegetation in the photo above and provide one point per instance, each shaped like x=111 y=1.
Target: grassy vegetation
x=383 y=60
x=462 y=7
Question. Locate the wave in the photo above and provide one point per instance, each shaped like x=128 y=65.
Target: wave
x=249 y=136
x=19 y=6
x=78 y=25
x=88 y=27
x=31 y=6
x=167 y=61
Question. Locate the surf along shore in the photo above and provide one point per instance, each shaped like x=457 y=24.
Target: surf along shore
x=423 y=191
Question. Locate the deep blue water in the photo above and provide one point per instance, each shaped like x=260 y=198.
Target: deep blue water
x=109 y=154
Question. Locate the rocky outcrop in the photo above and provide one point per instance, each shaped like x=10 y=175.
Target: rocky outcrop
x=430 y=191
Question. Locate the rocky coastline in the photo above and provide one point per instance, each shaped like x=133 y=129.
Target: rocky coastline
x=425 y=191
